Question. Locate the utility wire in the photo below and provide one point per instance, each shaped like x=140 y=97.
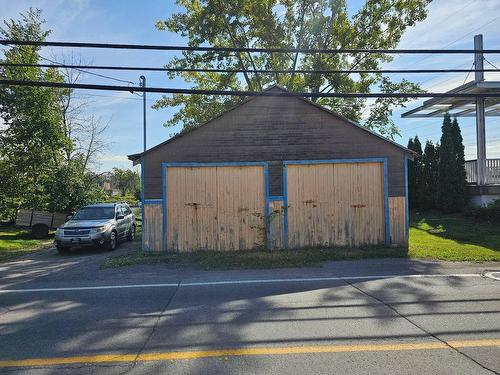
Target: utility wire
x=473 y=30
x=61 y=65
x=213 y=70
x=468 y=73
x=485 y=59
x=166 y=90
x=241 y=49
x=116 y=97
x=154 y=100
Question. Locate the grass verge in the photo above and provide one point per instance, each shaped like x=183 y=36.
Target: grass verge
x=15 y=242
x=252 y=259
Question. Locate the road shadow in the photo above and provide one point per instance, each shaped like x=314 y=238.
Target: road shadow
x=125 y=321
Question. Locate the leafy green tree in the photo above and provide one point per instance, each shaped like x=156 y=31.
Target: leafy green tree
x=126 y=180
x=286 y=24
x=430 y=164
x=32 y=140
x=414 y=173
x=70 y=187
x=451 y=186
x=36 y=170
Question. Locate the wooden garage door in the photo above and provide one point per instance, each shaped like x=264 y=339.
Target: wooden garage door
x=215 y=208
x=335 y=204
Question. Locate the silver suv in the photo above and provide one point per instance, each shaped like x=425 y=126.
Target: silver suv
x=102 y=224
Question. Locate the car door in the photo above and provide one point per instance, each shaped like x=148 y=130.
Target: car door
x=129 y=217
x=121 y=224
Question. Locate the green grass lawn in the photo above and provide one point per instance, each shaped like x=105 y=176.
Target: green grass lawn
x=432 y=236
x=15 y=242
x=453 y=237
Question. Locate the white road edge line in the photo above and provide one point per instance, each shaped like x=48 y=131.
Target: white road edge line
x=229 y=282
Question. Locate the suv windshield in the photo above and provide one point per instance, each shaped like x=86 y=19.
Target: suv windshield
x=95 y=213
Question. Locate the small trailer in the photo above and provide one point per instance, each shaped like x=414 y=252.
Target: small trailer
x=40 y=222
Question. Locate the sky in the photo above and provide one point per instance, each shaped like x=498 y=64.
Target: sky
x=450 y=24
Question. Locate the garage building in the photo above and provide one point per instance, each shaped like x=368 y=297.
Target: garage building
x=275 y=172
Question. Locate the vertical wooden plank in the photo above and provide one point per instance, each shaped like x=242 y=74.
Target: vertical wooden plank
x=397 y=211
x=191 y=209
x=335 y=204
x=215 y=207
x=276 y=225
x=240 y=213
x=152 y=227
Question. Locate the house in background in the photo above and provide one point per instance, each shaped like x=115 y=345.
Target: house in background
x=106 y=183
x=274 y=172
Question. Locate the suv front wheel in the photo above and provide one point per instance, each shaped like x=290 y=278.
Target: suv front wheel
x=111 y=245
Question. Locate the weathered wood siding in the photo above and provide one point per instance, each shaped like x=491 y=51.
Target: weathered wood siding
x=335 y=204
x=215 y=208
x=397 y=212
x=274 y=129
x=276 y=229
x=152 y=227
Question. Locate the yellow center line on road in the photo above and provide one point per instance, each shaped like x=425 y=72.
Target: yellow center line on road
x=259 y=351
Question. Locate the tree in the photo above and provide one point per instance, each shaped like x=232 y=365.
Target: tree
x=45 y=146
x=429 y=182
x=84 y=129
x=126 y=180
x=32 y=140
x=459 y=149
x=414 y=173
x=451 y=186
x=287 y=24
x=70 y=187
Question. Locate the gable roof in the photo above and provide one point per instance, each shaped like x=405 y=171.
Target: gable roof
x=136 y=157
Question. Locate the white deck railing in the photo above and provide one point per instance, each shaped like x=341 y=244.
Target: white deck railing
x=492 y=171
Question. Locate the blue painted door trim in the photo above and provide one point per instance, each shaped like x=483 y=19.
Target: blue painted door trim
x=165 y=165
x=338 y=161
x=164 y=206
x=216 y=164
x=153 y=201
x=407 y=207
x=143 y=202
x=285 y=207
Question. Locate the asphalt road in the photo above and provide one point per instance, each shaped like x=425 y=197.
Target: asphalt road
x=344 y=318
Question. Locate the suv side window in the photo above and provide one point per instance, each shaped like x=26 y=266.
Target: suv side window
x=119 y=210
x=127 y=210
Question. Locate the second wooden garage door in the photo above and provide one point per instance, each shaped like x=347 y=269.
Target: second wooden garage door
x=336 y=204
x=215 y=208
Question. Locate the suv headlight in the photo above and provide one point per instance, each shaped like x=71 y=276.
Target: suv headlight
x=59 y=232
x=104 y=228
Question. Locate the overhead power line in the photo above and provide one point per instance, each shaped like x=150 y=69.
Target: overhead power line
x=493 y=65
x=241 y=49
x=260 y=71
x=166 y=90
x=80 y=69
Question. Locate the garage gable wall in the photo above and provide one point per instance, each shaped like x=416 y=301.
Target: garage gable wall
x=274 y=129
